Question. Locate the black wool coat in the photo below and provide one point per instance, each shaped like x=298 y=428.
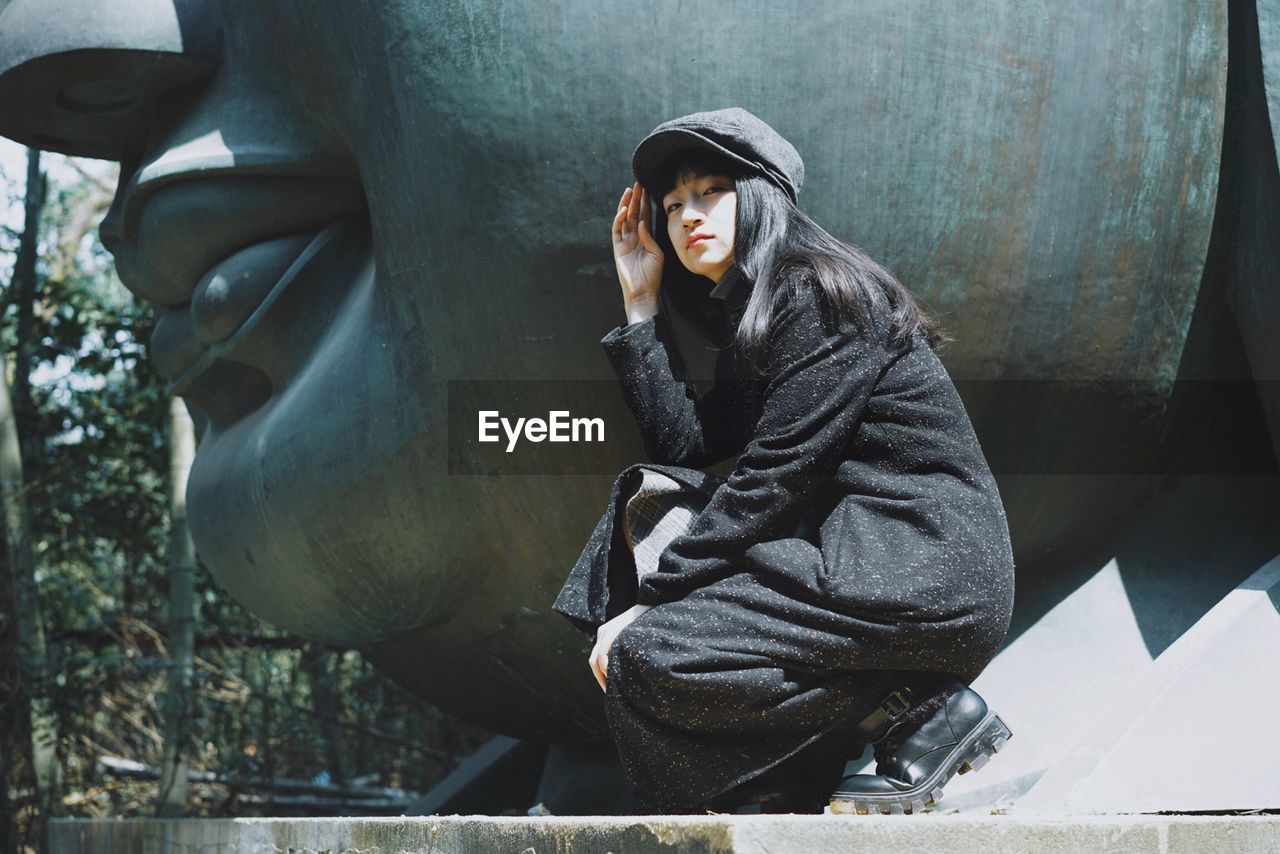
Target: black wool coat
x=866 y=444
x=861 y=530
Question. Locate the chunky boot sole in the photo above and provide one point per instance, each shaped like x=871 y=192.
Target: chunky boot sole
x=970 y=754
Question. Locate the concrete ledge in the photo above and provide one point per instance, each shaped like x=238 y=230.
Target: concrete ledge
x=640 y=834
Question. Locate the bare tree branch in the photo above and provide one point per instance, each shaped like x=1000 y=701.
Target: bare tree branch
x=106 y=184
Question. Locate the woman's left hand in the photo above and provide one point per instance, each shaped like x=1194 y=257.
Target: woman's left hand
x=599 y=659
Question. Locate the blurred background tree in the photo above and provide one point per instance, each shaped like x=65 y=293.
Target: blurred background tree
x=274 y=725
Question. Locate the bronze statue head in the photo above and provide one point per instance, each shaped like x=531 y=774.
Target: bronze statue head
x=340 y=206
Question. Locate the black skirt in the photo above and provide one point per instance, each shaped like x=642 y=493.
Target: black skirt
x=712 y=690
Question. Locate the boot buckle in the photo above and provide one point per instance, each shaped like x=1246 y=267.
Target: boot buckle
x=895 y=706
x=888 y=712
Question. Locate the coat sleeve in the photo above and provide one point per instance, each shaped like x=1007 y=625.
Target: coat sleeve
x=813 y=401
x=677 y=426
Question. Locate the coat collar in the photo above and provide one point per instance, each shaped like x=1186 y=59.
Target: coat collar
x=727 y=283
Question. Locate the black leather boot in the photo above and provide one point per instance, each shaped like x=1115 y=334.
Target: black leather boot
x=912 y=767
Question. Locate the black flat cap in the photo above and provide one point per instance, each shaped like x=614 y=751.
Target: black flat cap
x=733 y=132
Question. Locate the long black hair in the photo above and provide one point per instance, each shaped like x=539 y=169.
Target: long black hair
x=772 y=237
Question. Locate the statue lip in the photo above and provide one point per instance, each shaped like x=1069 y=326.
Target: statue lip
x=214 y=240
x=166 y=236
x=227 y=295
x=229 y=301
x=211 y=274
x=209 y=156
x=194 y=202
x=269 y=328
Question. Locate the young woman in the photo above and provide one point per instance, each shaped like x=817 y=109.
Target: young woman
x=843 y=584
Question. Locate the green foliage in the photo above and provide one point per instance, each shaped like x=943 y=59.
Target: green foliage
x=96 y=464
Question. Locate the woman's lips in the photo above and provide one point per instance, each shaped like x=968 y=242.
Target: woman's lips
x=698 y=240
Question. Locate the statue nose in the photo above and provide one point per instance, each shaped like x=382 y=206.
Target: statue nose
x=75 y=76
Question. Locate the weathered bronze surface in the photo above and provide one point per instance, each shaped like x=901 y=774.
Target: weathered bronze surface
x=342 y=205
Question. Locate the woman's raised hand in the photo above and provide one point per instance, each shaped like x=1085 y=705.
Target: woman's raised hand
x=635 y=252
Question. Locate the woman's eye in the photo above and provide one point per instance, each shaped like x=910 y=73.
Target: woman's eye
x=673 y=206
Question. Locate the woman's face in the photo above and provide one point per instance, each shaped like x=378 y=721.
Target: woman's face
x=700 y=219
